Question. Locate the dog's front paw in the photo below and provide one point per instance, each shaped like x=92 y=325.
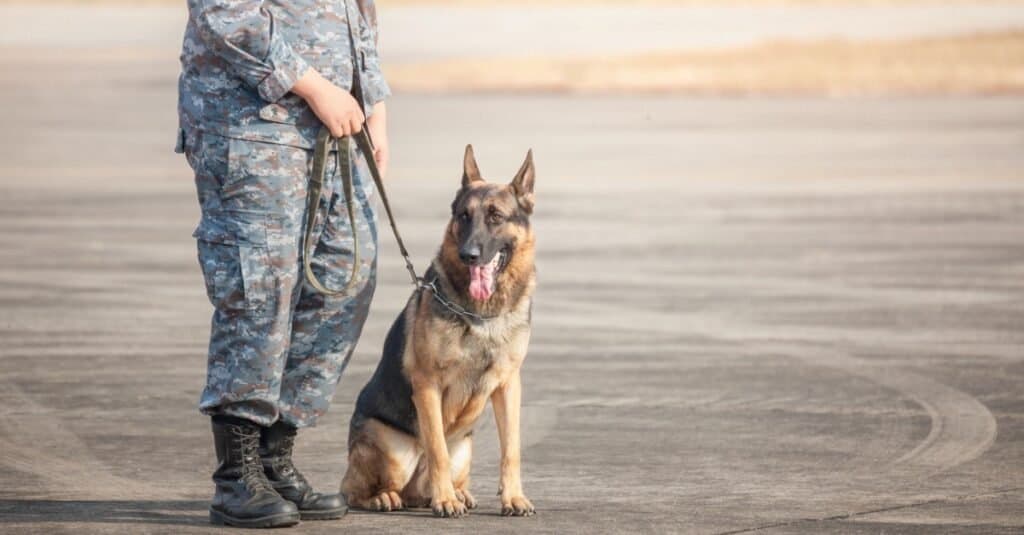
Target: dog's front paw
x=385 y=502
x=448 y=507
x=516 y=506
x=465 y=497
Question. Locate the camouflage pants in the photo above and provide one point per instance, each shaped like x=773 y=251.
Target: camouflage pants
x=277 y=347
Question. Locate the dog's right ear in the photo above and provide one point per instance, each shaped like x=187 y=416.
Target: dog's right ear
x=470 y=171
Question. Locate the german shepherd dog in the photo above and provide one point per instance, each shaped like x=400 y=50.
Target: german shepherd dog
x=460 y=341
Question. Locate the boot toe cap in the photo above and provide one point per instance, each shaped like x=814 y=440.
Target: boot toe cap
x=323 y=506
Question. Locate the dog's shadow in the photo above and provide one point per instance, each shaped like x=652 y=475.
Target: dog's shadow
x=166 y=512
x=425 y=512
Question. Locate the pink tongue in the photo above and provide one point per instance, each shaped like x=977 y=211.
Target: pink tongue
x=481 y=281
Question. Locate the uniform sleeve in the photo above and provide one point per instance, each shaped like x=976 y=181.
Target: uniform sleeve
x=375 y=87
x=243 y=34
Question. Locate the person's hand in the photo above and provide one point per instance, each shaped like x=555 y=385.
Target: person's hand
x=377 y=125
x=335 y=107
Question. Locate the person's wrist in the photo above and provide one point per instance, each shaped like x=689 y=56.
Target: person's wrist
x=309 y=85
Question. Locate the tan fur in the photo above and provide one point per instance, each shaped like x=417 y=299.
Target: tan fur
x=454 y=368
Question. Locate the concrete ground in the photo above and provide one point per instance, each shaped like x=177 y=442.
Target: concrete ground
x=777 y=315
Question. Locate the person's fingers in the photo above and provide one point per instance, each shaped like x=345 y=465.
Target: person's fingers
x=337 y=129
x=347 y=124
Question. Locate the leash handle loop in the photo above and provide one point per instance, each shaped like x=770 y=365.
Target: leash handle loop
x=324 y=141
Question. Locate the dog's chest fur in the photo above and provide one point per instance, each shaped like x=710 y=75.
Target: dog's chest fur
x=469 y=360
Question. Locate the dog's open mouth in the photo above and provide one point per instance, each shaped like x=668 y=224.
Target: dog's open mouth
x=482 y=279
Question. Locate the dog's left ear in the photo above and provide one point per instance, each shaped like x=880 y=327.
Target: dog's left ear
x=522 y=184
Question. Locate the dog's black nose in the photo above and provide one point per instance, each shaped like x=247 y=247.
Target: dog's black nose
x=470 y=253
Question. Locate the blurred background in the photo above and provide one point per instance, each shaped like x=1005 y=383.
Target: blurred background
x=794 y=47
x=781 y=257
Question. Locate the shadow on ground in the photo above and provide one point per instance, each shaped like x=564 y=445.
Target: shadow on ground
x=165 y=512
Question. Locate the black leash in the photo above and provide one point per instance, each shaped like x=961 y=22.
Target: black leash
x=324 y=141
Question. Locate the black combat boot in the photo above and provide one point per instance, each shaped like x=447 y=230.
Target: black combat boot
x=276 y=444
x=244 y=497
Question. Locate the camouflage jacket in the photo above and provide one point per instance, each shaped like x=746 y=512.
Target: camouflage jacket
x=240 y=59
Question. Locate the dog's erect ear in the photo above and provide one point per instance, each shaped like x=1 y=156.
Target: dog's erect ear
x=522 y=184
x=470 y=171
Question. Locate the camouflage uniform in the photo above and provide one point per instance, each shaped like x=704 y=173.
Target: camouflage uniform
x=277 y=347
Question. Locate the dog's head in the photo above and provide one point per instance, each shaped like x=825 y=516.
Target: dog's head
x=490 y=226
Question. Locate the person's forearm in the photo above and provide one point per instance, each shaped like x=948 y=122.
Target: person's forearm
x=309 y=84
x=377 y=123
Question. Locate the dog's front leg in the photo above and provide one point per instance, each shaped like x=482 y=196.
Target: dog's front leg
x=426 y=397
x=506 y=400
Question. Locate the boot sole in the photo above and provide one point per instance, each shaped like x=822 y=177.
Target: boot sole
x=328 y=514
x=280 y=520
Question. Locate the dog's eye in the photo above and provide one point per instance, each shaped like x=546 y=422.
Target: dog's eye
x=464 y=216
x=495 y=218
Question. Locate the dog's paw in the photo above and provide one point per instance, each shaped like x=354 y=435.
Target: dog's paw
x=386 y=501
x=516 y=506
x=450 y=507
x=465 y=497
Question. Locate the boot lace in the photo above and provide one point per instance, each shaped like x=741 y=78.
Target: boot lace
x=252 y=468
x=283 y=463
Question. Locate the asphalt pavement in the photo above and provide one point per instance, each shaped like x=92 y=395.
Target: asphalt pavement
x=774 y=315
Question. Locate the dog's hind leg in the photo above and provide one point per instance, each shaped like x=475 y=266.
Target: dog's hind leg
x=417 y=491
x=381 y=461
x=462 y=458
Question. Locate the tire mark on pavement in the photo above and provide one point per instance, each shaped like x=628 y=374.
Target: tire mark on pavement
x=962 y=428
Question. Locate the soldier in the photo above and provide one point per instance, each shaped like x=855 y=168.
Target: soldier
x=259 y=78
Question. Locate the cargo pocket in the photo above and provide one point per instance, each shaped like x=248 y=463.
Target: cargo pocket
x=237 y=266
x=264 y=177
